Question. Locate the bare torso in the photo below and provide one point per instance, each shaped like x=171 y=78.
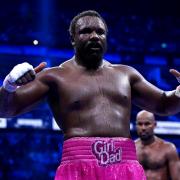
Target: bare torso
x=154 y=159
x=91 y=103
x=86 y=102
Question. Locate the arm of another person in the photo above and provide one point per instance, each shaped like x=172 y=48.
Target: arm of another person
x=173 y=162
x=149 y=97
x=31 y=90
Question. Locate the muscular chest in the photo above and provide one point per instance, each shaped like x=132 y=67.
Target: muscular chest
x=152 y=158
x=83 y=87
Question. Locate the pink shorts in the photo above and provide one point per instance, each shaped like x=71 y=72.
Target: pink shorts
x=96 y=158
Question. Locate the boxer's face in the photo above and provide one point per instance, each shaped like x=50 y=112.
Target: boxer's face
x=90 y=37
x=145 y=127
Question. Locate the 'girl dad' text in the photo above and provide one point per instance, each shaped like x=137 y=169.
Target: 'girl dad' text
x=106 y=153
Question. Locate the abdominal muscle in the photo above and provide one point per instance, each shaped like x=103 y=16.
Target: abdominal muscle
x=98 y=121
x=158 y=174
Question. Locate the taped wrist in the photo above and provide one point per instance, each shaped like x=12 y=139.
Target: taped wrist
x=8 y=86
x=17 y=72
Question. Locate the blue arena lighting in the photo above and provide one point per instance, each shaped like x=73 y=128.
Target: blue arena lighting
x=44 y=51
x=10 y=50
x=66 y=54
x=33 y=51
x=176 y=61
x=155 y=60
x=164 y=45
x=114 y=58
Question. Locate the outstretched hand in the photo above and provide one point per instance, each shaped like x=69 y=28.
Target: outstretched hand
x=40 y=67
x=30 y=74
x=175 y=73
x=21 y=74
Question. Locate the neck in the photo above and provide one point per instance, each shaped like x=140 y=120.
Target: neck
x=89 y=63
x=148 y=141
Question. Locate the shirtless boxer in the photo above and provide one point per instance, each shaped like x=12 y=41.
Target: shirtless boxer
x=159 y=158
x=90 y=99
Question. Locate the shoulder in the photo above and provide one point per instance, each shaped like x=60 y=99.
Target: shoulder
x=119 y=66
x=125 y=68
x=54 y=72
x=63 y=66
x=165 y=143
x=137 y=141
x=169 y=147
x=133 y=74
x=66 y=64
x=138 y=145
x=171 y=151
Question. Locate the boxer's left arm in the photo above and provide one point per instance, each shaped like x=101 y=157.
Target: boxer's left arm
x=173 y=162
x=177 y=76
x=151 y=98
x=15 y=101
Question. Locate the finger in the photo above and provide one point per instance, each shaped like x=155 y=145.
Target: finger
x=24 y=80
x=175 y=73
x=18 y=82
x=21 y=81
x=32 y=74
x=29 y=76
x=40 y=67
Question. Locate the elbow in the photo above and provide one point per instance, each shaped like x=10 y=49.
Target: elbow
x=164 y=111
x=165 y=107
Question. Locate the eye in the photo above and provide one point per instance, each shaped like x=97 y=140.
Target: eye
x=147 y=124
x=85 y=31
x=100 y=31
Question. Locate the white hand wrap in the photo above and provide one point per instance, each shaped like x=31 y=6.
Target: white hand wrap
x=17 y=72
x=177 y=92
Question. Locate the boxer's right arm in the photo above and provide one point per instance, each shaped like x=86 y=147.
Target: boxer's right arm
x=14 y=100
x=173 y=162
x=149 y=97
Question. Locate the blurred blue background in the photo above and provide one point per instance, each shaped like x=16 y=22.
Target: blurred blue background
x=145 y=35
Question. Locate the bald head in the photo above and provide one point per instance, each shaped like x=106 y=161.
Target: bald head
x=145 y=124
x=145 y=115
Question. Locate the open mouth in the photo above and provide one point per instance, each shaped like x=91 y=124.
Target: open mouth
x=143 y=134
x=94 y=46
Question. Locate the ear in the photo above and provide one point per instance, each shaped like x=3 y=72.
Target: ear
x=155 y=124
x=72 y=40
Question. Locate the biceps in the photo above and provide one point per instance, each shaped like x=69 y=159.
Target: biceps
x=174 y=163
x=31 y=93
x=146 y=95
x=174 y=168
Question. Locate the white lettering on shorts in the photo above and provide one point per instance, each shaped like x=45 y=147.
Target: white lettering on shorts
x=106 y=153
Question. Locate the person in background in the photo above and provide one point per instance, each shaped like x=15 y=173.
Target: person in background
x=158 y=157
